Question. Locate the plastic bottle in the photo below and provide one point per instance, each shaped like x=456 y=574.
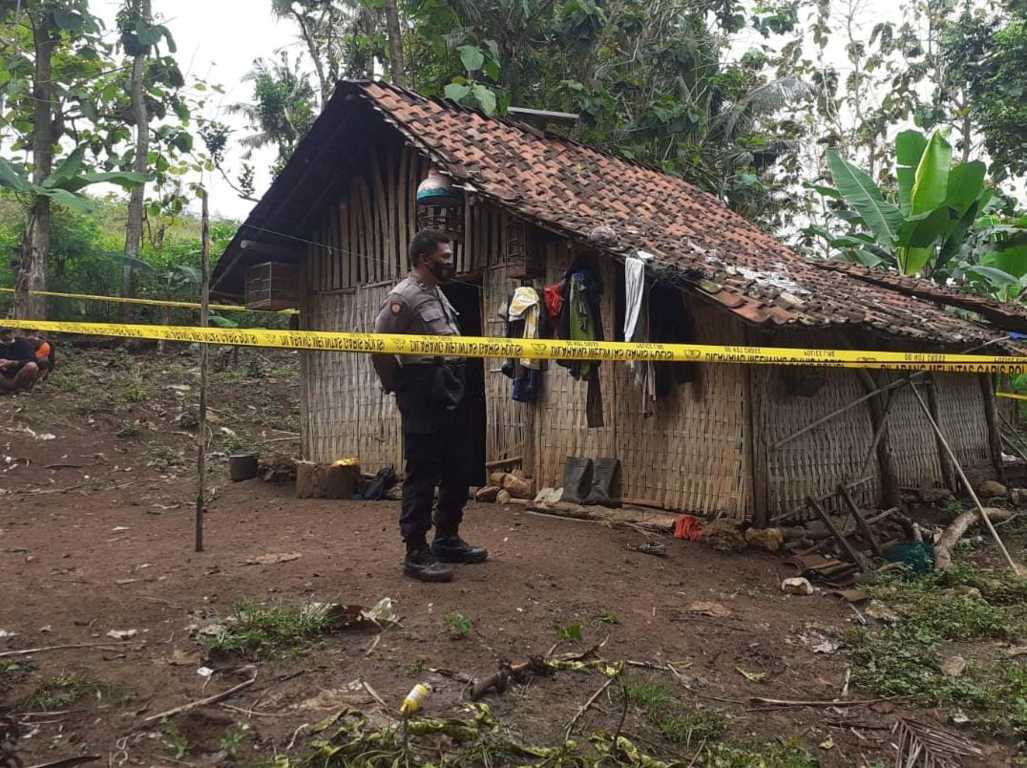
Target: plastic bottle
x=415 y=699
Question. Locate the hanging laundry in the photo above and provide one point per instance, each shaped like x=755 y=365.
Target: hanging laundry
x=636 y=325
x=526 y=305
x=553 y=296
x=580 y=320
x=670 y=322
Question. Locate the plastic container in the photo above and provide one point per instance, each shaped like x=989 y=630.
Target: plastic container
x=415 y=700
x=242 y=466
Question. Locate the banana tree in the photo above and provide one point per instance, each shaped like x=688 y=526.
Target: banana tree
x=925 y=228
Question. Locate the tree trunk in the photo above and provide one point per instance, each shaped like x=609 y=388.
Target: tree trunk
x=396 y=65
x=134 y=228
x=35 y=244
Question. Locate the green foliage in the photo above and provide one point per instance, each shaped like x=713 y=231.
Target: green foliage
x=687 y=726
x=233 y=740
x=964 y=605
x=62 y=691
x=570 y=633
x=459 y=625
x=755 y=754
x=265 y=629
x=175 y=743
x=940 y=214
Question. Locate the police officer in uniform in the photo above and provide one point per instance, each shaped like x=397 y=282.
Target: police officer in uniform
x=436 y=424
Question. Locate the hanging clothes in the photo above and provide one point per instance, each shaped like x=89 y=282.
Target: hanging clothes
x=526 y=305
x=636 y=326
x=670 y=322
x=553 y=296
x=580 y=320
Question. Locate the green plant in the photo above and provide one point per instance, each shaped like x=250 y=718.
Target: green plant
x=570 y=633
x=128 y=432
x=759 y=754
x=12 y=671
x=651 y=697
x=607 y=617
x=459 y=625
x=265 y=629
x=174 y=742
x=928 y=226
x=135 y=390
x=62 y=691
x=233 y=739
x=694 y=727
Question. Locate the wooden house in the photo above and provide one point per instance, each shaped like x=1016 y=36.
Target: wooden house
x=335 y=225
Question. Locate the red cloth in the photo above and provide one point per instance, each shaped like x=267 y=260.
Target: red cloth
x=553 y=296
x=688 y=527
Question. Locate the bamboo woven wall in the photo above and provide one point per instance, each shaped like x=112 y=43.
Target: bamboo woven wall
x=963 y=420
x=691 y=454
x=510 y=425
x=346 y=413
x=816 y=462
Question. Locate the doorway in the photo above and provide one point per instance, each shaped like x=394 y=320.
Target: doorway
x=466 y=298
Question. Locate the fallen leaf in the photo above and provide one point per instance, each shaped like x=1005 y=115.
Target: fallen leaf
x=272 y=559
x=752 y=677
x=710 y=609
x=828 y=646
x=827 y=743
x=122 y=634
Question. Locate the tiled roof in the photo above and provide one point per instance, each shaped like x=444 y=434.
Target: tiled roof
x=573 y=189
x=1011 y=317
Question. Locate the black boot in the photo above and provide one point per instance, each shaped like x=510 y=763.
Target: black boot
x=606 y=490
x=577 y=479
x=450 y=548
x=422 y=565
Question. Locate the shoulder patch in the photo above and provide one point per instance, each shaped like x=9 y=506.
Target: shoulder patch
x=396 y=307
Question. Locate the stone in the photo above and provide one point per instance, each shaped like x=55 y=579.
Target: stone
x=953 y=666
x=770 y=539
x=487 y=494
x=797 y=585
x=724 y=536
x=991 y=489
x=517 y=487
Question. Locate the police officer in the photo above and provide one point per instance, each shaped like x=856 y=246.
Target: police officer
x=436 y=425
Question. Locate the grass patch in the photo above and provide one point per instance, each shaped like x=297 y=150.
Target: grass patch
x=761 y=754
x=964 y=605
x=174 y=742
x=261 y=629
x=63 y=691
x=135 y=390
x=459 y=625
x=13 y=671
x=687 y=726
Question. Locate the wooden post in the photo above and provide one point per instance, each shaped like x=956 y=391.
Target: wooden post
x=948 y=474
x=994 y=431
x=201 y=435
x=966 y=483
x=878 y=419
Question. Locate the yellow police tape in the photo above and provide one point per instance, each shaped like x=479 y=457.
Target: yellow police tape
x=537 y=349
x=1011 y=395
x=151 y=302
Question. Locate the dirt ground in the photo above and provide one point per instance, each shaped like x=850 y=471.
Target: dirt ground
x=97 y=490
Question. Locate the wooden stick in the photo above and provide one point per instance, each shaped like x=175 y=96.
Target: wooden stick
x=201 y=449
x=815 y=703
x=45 y=648
x=837 y=412
x=503 y=462
x=587 y=705
x=825 y=497
x=201 y=702
x=856 y=558
x=68 y=762
x=951 y=535
x=1015 y=448
x=861 y=523
x=878 y=433
x=962 y=476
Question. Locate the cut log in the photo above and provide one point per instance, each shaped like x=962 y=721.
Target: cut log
x=496 y=479
x=487 y=494
x=325 y=481
x=952 y=535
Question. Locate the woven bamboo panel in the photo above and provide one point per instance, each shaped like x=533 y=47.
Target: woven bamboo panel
x=912 y=440
x=963 y=420
x=690 y=454
x=817 y=461
x=510 y=425
x=346 y=413
x=562 y=428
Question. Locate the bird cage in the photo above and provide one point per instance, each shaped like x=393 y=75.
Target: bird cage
x=273 y=285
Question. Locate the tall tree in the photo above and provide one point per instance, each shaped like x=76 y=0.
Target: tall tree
x=397 y=67
x=135 y=18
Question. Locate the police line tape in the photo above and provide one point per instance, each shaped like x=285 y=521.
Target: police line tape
x=1011 y=395
x=151 y=302
x=536 y=349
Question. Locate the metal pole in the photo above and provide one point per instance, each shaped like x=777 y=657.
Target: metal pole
x=201 y=438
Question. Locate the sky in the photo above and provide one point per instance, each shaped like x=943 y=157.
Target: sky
x=217 y=41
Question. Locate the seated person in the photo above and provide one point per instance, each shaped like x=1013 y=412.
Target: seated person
x=24 y=361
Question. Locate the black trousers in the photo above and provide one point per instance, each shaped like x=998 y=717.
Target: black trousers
x=436 y=449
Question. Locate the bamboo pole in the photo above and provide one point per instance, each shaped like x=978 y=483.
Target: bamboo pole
x=201 y=433
x=962 y=476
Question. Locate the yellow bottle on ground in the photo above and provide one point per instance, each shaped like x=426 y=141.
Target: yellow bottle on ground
x=414 y=700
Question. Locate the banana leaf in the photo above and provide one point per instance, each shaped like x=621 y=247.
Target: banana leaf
x=860 y=191
x=932 y=176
